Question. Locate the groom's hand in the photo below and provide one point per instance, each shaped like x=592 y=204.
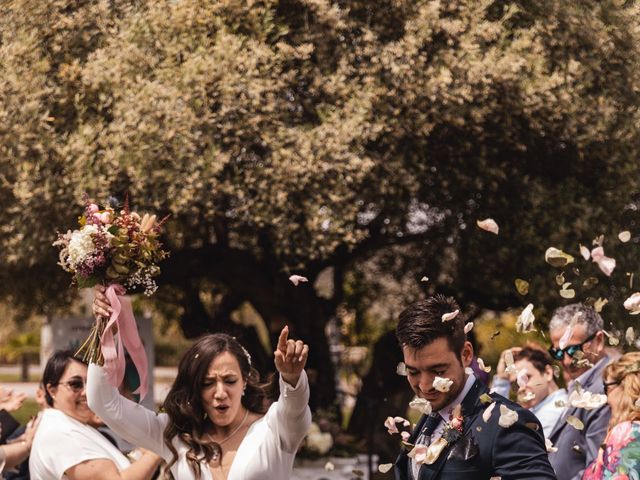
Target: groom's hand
x=290 y=357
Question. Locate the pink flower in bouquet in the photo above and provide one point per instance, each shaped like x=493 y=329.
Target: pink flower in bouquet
x=93 y=208
x=104 y=217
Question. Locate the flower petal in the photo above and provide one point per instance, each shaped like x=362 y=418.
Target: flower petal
x=450 y=316
x=385 y=467
x=625 y=236
x=557 y=258
x=468 y=327
x=296 y=279
x=522 y=286
x=489 y=225
x=442 y=384
x=575 y=422
x=507 y=417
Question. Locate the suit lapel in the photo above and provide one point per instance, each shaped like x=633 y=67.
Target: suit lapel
x=402 y=462
x=470 y=405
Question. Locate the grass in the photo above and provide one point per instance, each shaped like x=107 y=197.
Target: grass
x=28 y=409
x=15 y=378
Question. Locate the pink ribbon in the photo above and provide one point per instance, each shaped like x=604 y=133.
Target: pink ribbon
x=114 y=362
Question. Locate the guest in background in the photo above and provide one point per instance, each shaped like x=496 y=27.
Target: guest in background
x=619 y=456
x=539 y=393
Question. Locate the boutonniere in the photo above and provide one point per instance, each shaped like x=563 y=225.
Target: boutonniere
x=452 y=433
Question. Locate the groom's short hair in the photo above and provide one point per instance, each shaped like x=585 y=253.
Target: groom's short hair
x=421 y=323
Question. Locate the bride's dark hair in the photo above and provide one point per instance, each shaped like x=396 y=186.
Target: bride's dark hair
x=183 y=404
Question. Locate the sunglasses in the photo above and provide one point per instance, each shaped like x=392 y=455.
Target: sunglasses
x=75 y=384
x=571 y=350
x=606 y=386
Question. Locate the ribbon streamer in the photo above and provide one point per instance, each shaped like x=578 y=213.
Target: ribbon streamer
x=114 y=361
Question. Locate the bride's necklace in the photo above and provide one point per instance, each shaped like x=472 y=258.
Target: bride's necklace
x=217 y=446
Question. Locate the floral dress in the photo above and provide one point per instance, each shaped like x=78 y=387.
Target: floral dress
x=619 y=456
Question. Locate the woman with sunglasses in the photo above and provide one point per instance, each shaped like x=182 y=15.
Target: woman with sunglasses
x=619 y=455
x=66 y=446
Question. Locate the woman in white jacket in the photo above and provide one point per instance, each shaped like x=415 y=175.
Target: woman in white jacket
x=216 y=423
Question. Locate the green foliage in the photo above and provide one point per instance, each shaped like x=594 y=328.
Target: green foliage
x=296 y=135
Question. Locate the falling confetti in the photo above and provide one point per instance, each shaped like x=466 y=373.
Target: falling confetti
x=401 y=369
x=625 y=236
x=567 y=293
x=442 y=384
x=468 y=327
x=421 y=404
x=450 y=316
x=524 y=323
x=424 y=279
x=590 y=282
x=599 y=304
x=522 y=286
x=584 y=251
x=483 y=366
x=560 y=278
x=575 y=422
x=489 y=225
x=296 y=279
x=633 y=304
x=586 y=399
x=606 y=264
x=486 y=398
x=630 y=336
x=507 y=417
x=613 y=339
x=526 y=396
x=495 y=334
x=385 y=467
x=557 y=258
x=510 y=365
x=549 y=444
x=486 y=415
x=329 y=467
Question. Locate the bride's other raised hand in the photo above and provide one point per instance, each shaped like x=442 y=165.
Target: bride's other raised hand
x=290 y=357
x=101 y=306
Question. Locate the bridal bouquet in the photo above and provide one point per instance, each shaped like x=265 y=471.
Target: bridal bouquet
x=120 y=250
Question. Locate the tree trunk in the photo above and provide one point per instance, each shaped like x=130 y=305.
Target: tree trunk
x=24 y=367
x=384 y=393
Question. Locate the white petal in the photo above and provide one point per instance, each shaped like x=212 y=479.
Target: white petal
x=575 y=422
x=401 y=369
x=295 y=279
x=630 y=336
x=557 y=258
x=468 y=327
x=330 y=467
x=584 y=251
x=385 y=467
x=507 y=417
x=450 y=316
x=486 y=415
x=586 y=399
x=489 y=225
x=625 y=236
x=525 y=320
x=633 y=303
x=522 y=378
x=568 y=293
x=483 y=366
x=606 y=264
x=510 y=365
x=442 y=384
x=421 y=404
x=424 y=279
x=549 y=444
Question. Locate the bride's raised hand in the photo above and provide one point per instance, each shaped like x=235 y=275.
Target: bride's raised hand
x=290 y=357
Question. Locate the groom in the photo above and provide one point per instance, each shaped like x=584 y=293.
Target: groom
x=470 y=447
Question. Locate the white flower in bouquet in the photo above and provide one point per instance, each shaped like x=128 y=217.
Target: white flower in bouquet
x=81 y=245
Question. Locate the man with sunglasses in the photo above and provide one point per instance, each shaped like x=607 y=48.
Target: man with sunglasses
x=583 y=360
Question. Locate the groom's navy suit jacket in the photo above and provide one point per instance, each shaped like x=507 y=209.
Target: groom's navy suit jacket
x=486 y=449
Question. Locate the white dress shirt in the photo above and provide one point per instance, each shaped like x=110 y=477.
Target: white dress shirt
x=444 y=413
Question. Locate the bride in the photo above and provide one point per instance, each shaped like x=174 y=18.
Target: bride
x=216 y=422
